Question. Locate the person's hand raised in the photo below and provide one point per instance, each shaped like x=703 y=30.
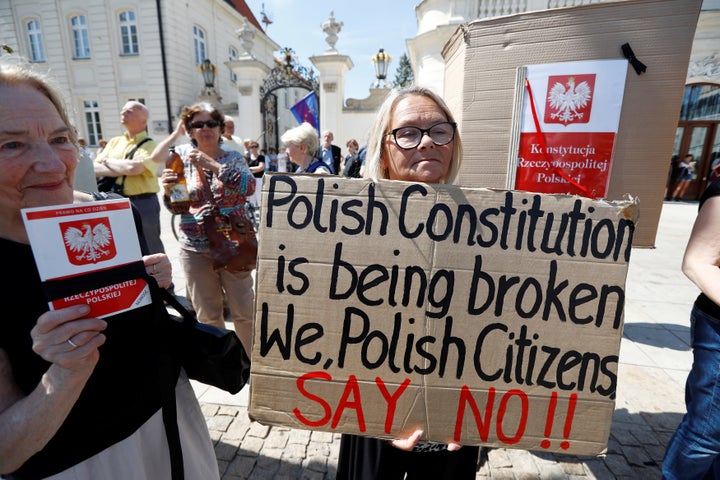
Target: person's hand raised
x=179 y=128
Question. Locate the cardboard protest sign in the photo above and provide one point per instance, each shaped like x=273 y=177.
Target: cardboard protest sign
x=481 y=63
x=479 y=316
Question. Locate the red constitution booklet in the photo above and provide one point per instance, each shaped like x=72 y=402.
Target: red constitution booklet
x=88 y=253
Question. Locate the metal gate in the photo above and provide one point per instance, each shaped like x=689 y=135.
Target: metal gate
x=280 y=77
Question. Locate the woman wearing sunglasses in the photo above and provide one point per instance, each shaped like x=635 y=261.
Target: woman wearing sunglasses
x=231 y=183
x=413 y=139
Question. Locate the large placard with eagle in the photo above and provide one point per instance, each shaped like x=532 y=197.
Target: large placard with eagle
x=570 y=117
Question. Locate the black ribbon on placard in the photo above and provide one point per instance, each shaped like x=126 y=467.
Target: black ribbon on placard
x=630 y=55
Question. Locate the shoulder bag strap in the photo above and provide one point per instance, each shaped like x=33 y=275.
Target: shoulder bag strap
x=169 y=402
x=131 y=154
x=206 y=187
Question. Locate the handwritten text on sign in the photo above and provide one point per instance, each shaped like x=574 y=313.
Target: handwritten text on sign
x=478 y=316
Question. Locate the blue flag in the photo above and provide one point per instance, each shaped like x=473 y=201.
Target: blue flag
x=306 y=110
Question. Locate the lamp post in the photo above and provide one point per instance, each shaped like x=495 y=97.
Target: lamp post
x=208 y=71
x=382 y=61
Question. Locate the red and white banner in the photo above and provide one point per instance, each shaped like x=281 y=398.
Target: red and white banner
x=71 y=240
x=570 y=118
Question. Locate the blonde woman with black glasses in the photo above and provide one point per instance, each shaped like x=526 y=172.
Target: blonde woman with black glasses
x=414 y=139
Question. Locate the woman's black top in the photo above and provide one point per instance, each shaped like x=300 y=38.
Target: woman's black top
x=703 y=302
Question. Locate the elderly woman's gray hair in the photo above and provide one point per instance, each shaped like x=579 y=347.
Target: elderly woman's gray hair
x=304 y=134
x=381 y=127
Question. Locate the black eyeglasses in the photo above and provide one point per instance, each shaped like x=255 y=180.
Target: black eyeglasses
x=207 y=123
x=408 y=138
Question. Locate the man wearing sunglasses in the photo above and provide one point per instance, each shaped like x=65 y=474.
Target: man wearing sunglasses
x=127 y=157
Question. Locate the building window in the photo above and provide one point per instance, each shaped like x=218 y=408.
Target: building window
x=232 y=56
x=199 y=40
x=92 y=121
x=37 y=50
x=138 y=99
x=81 y=39
x=128 y=33
x=701 y=102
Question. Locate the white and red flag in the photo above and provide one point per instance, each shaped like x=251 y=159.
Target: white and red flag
x=570 y=118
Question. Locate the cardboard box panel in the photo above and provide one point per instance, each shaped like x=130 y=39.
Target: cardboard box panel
x=481 y=62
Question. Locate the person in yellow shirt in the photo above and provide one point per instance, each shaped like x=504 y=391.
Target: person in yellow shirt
x=127 y=158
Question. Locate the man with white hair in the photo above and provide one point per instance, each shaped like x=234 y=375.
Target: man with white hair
x=329 y=153
x=230 y=141
x=127 y=158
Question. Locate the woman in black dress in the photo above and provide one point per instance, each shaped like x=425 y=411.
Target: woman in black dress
x=414 y=139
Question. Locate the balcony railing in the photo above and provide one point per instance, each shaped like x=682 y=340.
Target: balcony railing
x=496 y=8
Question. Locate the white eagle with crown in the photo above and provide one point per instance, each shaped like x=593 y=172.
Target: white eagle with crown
x=88 y=243
x=567 y=101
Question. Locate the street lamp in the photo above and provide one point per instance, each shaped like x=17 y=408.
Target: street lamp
x=381 y=61
x=208 y=71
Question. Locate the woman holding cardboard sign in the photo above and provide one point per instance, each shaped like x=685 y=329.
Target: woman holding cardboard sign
x=414 y=139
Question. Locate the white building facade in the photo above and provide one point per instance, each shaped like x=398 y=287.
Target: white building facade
x=103 y=53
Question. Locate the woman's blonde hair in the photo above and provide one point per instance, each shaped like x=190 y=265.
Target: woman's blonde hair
x=379 y=130
x=304 y=134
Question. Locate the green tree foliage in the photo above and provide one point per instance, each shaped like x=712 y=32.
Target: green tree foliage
x=404 y=74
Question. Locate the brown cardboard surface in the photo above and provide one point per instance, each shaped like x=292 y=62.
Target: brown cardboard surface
x=481 y=62
x=479 y=316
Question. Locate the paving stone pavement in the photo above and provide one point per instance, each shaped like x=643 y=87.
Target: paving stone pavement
x=655 y=358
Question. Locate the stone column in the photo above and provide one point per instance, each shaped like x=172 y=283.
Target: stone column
x=250 y=76
x=332 y=68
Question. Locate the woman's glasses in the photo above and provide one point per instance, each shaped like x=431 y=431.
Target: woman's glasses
x=208 y=123
x=410 y=137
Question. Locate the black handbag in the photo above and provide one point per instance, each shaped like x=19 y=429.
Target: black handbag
x=107 y=184
x=211 y=355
